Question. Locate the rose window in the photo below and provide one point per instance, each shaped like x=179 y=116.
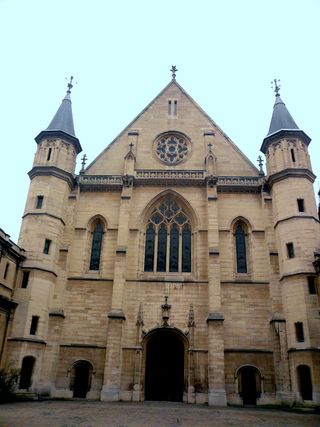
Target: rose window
x=172 y=147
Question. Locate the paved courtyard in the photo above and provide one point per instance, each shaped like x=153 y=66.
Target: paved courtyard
x=147 y=414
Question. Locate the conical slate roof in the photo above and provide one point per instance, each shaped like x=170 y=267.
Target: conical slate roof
x=62 y=123
x=282 y=125
x=63 y=119
x=281 y=118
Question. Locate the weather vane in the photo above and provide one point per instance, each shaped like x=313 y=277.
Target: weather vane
x=275 y=84
x=173 y=70
x=70 y=85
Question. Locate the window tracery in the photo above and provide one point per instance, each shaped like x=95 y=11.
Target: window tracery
x=172 y=147
x=168 y=239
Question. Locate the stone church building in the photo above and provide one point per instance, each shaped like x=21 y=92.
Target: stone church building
x=170 y=268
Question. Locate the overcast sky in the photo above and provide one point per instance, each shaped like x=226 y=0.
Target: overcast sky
x=120 y=53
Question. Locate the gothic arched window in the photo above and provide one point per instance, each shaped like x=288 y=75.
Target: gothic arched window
x=96 y=246
x=168 y=239
x=241 y=253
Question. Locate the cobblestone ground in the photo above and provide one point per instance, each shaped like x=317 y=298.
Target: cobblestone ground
x=147 y=414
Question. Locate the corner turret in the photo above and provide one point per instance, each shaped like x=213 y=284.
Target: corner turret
x=285 y=146
x=58 y=145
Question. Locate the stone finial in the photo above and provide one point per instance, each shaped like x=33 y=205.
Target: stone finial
x=260 y=163
x=140 y=321
x=83 y=161
x=191 y=321
x=165 y=312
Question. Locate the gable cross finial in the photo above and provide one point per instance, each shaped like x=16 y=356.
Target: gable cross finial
x=173 y=70
x=275 y=84
x=70 y=85
x=131 y=146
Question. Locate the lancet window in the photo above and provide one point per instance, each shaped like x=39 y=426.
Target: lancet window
x=168 y=239
x=241 y=251
x=96 y=246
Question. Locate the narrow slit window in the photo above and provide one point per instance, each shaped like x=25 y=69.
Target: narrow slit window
x=290 y=250
x=300 y=205
x=293 y=156
x=25 y=279
x=175 y=107
x=312 y=286
x=49 y=154
x=34 y=325
x=46 y=248
x=169 y=107
x=39 y=202
x=299 y=331
x=6 y=270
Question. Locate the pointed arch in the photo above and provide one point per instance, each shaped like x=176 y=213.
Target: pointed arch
x=185 y=204
x=168 y=221
x=97 y=227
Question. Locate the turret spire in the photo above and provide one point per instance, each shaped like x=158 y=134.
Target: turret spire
x=281 y=118
x=281 y=121
x=62 y=122
x=63 y=119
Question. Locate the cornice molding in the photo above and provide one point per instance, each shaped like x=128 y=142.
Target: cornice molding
x=52 y=171
x=247 y=350
x=145 y=177
x=295 y=217
x=59 y=134
x=43 y=214
x=30 y=340
x=291 y=173
x=284 y=133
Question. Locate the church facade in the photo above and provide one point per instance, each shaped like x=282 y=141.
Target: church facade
x=170 y=268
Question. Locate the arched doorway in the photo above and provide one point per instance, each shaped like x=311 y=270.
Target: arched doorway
x=26 y=372
x=249 y=384
x=305 y=383
x=164 y=375
x=81 y=375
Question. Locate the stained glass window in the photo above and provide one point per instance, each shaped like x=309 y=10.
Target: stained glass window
x=241 y=249
x=186 y=248
x=149 y=252
x=171 y=251
x=172 y=147
x=174 y=249
x=162 y=248
x=96 y=246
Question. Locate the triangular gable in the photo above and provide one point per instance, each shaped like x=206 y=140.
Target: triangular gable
x=195 y=104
